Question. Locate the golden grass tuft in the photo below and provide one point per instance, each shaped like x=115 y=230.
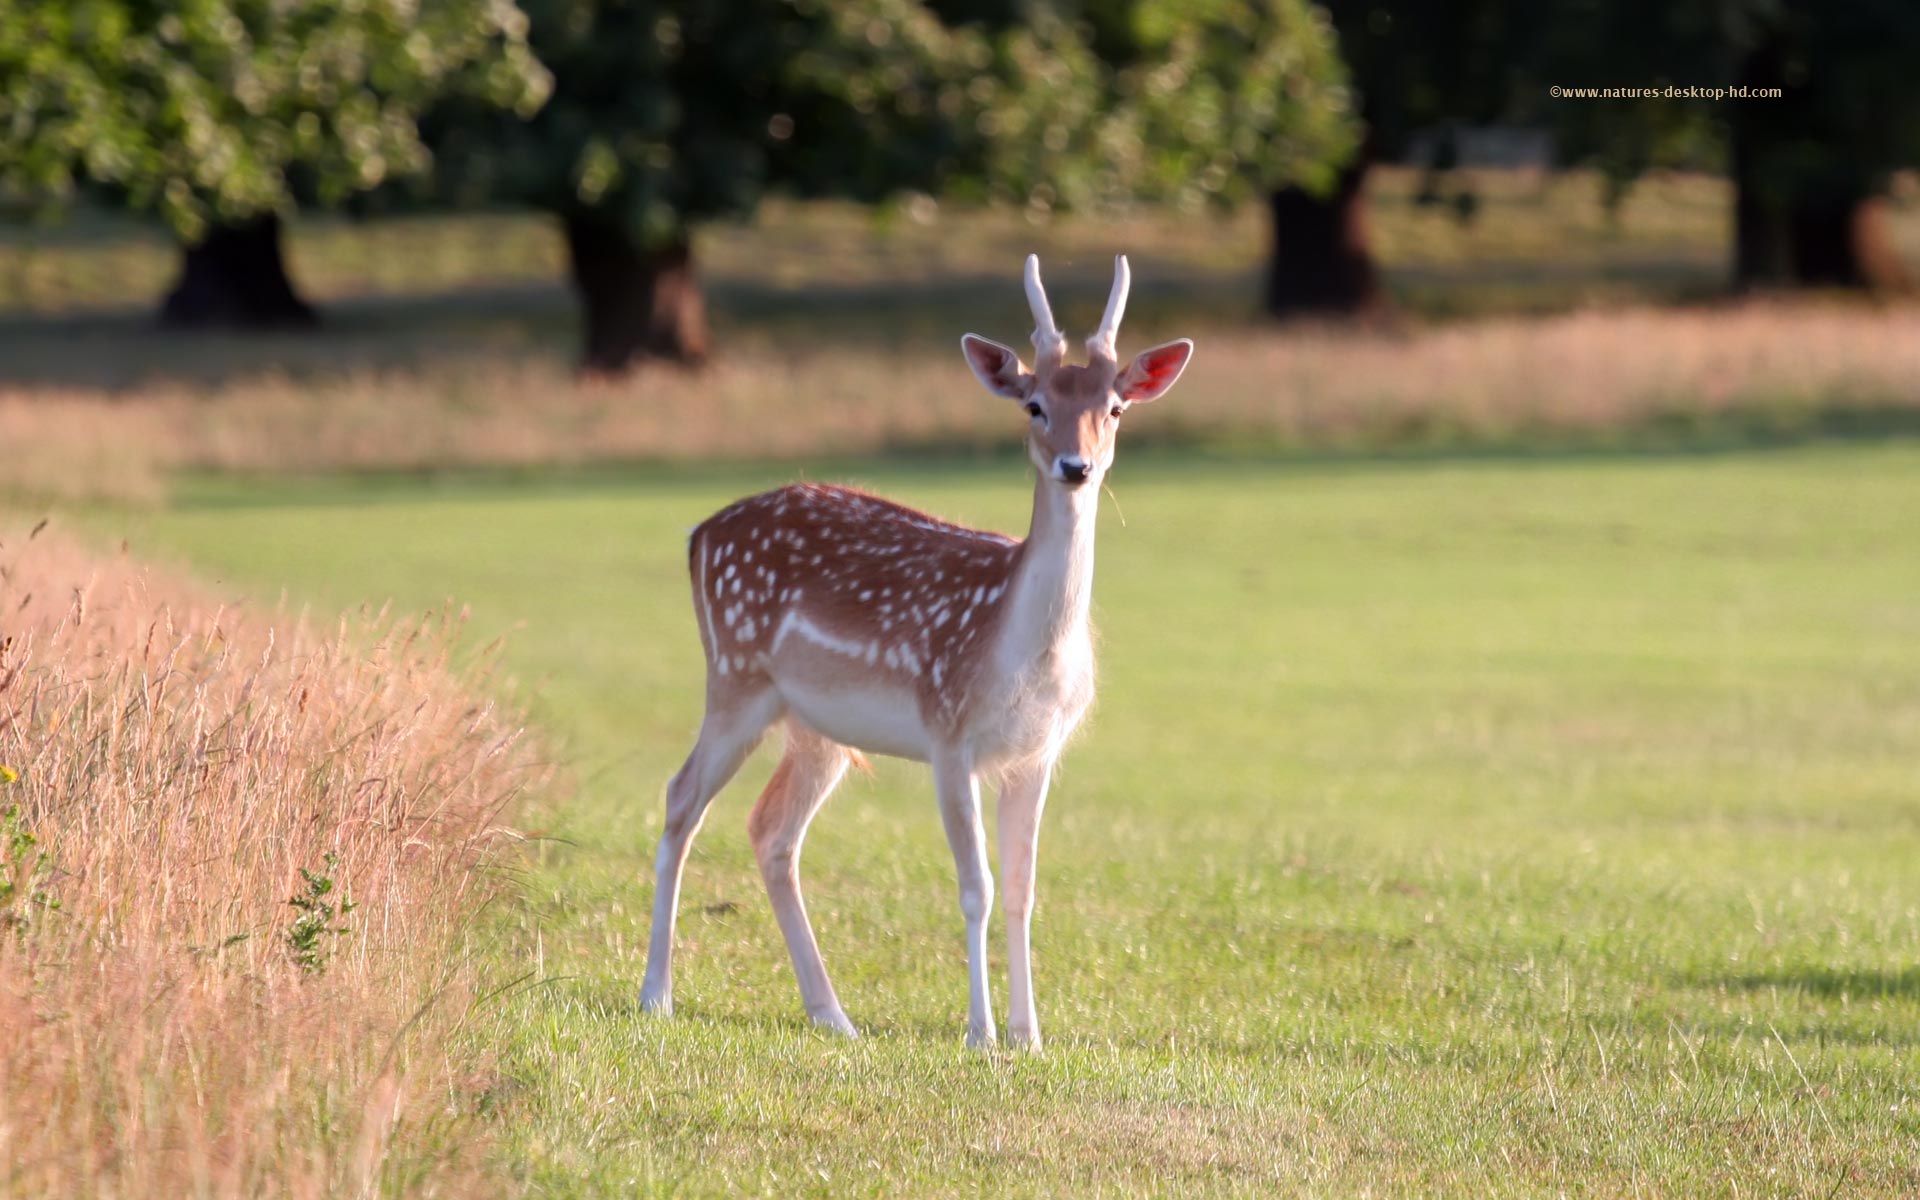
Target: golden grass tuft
x=178 y=762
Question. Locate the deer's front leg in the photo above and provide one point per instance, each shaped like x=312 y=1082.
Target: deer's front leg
x=1022 y=797
x=960 y=811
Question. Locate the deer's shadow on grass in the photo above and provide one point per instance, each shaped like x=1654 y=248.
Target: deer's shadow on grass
x=1837 y=1005
x=619 y=1003
x=1900 y=983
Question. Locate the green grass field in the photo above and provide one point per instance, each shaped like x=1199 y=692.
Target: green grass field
x=1447 y=827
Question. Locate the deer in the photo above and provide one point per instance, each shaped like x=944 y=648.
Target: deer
x=867 y=627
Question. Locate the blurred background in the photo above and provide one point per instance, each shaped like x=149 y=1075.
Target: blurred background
x=319 y=236
x=1504 y=775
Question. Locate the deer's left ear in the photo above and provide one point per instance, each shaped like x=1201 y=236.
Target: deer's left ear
x=1153 y=371
x=997 y=366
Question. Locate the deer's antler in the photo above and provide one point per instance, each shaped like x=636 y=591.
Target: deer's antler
x=1049 y=344
x=1103 y=343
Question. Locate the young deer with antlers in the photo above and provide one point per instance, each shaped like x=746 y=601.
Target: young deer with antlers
x=868 y=626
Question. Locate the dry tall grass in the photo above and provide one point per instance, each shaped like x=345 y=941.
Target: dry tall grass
x=179 y=763
x=1577 y=375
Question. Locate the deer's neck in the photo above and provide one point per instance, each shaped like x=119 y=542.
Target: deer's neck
x=1052 y=586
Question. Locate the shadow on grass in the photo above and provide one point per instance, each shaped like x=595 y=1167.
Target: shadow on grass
x=1901 y=983
x=124 y=347
x=1810 y=1003
x=621 y=1002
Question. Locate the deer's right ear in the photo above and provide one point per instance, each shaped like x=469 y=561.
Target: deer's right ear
x=997 y=366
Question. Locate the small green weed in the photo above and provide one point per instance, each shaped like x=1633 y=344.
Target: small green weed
x=25 y=869
x=307 y=938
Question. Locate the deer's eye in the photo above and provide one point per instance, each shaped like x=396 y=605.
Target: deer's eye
x=1034 y=411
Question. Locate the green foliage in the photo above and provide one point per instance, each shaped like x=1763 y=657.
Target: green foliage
x=1186 y=103
x=222 y=109
x=309 y=937
x=25 y=869
x=664 y=113
x=1416 y=65
x=668 y=112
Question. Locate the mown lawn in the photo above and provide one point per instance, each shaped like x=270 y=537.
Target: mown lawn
x=1447 y=827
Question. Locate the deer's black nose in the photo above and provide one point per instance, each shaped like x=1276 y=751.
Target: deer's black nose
x=1072 y=470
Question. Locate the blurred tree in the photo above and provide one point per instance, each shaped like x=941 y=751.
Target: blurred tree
x=1810 y=167
x=1106 y=103
x=222 y=114
x=1416 y=67
x=667 y=113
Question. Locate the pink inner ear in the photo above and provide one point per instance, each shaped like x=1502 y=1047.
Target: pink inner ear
x=997 y=366
x=1155 y=370
x=1162 y=367
x=993 y=360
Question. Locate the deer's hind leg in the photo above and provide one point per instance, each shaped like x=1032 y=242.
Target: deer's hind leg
x=778 y=825
x=738 y=714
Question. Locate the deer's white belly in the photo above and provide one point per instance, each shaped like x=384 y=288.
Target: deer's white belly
x=876 y=719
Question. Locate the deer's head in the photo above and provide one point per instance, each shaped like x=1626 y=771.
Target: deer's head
x=1074 y=412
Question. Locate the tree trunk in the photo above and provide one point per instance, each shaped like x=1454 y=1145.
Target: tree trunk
x=1837 y=242
x=1322 y=262
x=1802 y=217
x=1762 y=257
x=236 y=278
x=639 y=303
